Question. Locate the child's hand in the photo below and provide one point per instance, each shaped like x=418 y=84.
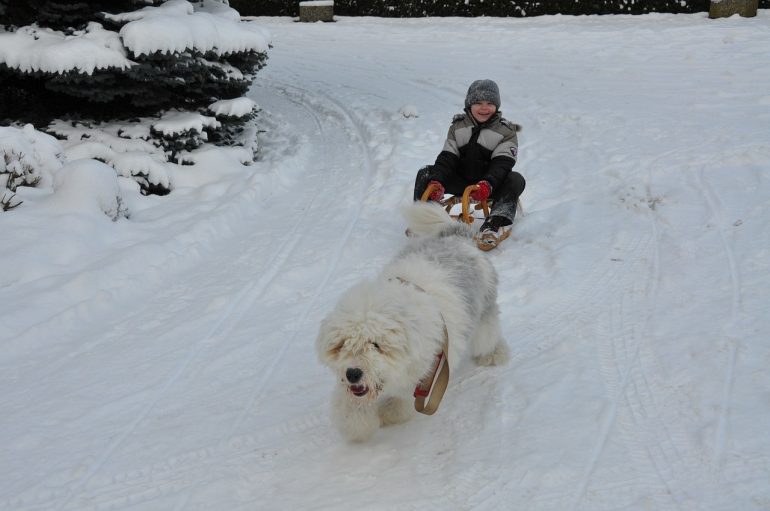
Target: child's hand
x=438 y=193
x=482 y=192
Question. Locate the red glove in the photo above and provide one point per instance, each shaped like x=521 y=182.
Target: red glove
x=438 y=193
x=482 y=192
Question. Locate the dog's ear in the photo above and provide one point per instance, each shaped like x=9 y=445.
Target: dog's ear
x=328 y=346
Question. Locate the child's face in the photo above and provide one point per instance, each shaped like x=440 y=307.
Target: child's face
x=483 y=110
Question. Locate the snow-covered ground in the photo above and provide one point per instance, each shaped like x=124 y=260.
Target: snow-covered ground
x=166 y=361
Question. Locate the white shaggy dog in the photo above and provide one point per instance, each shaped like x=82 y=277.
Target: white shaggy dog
x=383 y=336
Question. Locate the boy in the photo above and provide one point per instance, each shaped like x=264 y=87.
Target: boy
x=480 y=148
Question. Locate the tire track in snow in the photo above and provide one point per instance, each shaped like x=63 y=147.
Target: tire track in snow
x=620 y=336
x=179 y=473
x=256 y=394
x=644 y=410
x=715 y=206
x=634 y=411
x=657 y=430
x=238 y=306
x=606 y=276
x=619 y=330
x=554 y=325
x=309 y=441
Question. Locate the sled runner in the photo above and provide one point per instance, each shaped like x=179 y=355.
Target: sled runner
x=469 y=213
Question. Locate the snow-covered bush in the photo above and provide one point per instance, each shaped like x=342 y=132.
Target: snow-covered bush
x=31 y=158
x=129 y=148
x=235 y=117
x=148 y=149
x=98 y=60
x=27 y=158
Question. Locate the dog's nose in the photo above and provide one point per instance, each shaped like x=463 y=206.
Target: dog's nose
x=354 y=374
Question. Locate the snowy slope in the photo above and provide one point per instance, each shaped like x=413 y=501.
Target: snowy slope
x=166 y=362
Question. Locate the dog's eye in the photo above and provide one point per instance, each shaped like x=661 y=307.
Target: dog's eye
x=335 y=350
x=377 y=347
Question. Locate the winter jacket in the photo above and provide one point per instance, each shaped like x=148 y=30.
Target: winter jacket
x=478 y=151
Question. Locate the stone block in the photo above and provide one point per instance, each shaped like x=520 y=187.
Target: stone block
x=317 y=10
x=726 y=8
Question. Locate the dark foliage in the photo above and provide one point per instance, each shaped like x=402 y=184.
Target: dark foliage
x=159 y=81
x=501 y=8
x=61 y=14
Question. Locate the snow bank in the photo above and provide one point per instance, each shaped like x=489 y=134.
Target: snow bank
x=88 y=187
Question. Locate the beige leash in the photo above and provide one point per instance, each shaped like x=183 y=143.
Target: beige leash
x=432 y=389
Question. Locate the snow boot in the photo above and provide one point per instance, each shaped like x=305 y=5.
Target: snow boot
x=494 y=230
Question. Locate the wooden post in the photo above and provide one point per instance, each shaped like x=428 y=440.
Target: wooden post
x=725 y=8
x=316 y=10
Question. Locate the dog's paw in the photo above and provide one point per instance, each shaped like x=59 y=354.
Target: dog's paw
x=498 y=357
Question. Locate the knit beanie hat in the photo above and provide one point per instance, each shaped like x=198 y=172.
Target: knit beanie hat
x=483 y=90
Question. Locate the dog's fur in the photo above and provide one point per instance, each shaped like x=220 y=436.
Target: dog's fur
x=383 y=336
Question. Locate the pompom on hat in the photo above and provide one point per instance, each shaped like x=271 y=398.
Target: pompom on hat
x=483 y=90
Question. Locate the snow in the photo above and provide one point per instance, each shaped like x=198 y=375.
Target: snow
x=31 y=49
x=175 y=122
x=166 y=360
x=238 y=107
x=87 y=186
x=202 y=32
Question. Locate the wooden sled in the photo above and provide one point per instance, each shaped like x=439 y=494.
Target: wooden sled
x=485 y=242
